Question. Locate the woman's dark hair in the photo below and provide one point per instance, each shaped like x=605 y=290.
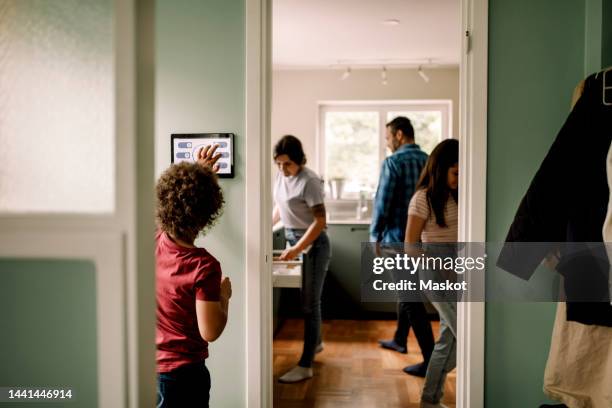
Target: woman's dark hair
x=292 y=147
x=434 y=177
x=402 y=123
x=189 y=199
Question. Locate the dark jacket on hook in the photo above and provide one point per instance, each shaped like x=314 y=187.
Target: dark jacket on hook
x=567 y=202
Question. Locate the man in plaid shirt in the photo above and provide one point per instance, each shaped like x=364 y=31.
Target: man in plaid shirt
x=398 y=178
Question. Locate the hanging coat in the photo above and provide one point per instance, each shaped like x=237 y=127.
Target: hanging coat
x=567 y=201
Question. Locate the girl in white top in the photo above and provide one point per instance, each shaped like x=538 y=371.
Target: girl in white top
x=432 y=218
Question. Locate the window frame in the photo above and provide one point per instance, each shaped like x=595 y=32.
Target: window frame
x=382 y=107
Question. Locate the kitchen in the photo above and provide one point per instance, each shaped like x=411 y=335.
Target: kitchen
x=336 y=93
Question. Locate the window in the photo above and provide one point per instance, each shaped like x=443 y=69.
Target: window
x=351 y=146
x=351 y=143
x=57 y=122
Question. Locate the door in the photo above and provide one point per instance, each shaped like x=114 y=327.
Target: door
x=69 y=199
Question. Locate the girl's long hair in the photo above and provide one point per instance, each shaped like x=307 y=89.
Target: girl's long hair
x=434 y=177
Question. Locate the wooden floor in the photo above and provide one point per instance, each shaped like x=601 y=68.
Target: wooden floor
x=352 y=371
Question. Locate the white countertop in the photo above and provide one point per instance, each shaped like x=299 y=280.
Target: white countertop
x=349 y=222
x=354 y=221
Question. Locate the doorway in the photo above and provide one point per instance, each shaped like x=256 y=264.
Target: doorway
x=471 y=131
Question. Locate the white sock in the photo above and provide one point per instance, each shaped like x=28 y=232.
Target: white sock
x=296 y=374
x=320 y=346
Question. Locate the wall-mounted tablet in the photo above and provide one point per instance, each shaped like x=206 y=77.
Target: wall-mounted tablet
x=185 y=147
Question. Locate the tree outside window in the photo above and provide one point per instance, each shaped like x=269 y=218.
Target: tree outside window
x=353 y=139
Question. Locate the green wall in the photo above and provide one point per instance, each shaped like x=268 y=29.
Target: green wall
x=536 y=58
x=606 y=38
x=593 y=35
x=200 y=87
x=48 y=326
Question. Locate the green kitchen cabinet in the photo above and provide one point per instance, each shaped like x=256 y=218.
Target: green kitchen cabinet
x=342 y=294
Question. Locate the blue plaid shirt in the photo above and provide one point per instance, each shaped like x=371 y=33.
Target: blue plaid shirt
x=398 y=177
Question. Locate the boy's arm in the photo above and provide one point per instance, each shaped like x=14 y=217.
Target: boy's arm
x=212 y=316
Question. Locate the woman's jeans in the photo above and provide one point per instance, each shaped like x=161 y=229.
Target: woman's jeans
x=314 y=270
x=187 y=386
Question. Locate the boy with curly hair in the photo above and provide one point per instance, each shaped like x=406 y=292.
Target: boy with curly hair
x=192 y=300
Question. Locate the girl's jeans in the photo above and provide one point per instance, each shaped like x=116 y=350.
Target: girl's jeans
x=314 y=270
x=444 y=356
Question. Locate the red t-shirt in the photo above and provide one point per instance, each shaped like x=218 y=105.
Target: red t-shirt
x=183 y=275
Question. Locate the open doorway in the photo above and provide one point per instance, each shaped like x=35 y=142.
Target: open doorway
x=472 y=197
x=340 y=72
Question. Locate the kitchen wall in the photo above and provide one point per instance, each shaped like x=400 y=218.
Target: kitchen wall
x=295 y=94
x=200 y=87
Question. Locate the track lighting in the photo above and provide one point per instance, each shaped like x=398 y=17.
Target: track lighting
x=346 y=74
x=422 y=74
x=391 y=22
x=383 y=75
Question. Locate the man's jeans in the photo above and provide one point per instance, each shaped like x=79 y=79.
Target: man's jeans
x=414 y=314
x=313 y=276
x=410 y=313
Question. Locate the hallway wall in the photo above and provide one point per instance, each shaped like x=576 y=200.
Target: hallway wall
x=536 y=58
x=606 y=37
x=199 y=88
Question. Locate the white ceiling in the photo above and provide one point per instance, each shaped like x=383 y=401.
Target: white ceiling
x=323 y=33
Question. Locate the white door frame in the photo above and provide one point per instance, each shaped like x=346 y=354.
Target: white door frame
x=472 y=198
x=258 y=204
x=472 y=194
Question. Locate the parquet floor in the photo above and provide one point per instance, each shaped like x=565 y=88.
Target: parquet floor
x=352 y=371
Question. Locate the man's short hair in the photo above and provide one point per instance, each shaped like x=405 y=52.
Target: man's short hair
x=189 y=199
x=402 y=123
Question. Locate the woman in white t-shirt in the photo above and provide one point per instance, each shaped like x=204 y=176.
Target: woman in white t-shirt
x=298 y=203
x=432 y=219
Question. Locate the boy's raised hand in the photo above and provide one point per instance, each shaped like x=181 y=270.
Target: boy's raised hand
x=208 y=158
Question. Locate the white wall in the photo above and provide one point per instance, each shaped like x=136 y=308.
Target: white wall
x=296 y=93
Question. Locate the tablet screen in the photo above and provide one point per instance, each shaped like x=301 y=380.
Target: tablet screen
x=185 y=147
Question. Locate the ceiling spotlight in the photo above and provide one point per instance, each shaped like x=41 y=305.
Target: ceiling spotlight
x=422 y=74
x=391 y=22
x=346 y=74
x=383 y=75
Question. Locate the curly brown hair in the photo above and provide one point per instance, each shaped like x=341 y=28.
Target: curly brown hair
x=189 y=200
